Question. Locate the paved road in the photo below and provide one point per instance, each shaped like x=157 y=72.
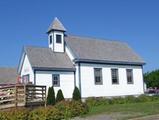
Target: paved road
x=115 y=117
x=97 y=117
x=153 y=117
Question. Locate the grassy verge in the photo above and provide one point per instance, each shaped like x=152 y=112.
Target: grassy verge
x=127 y=110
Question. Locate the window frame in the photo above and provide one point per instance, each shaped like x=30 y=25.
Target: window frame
x=27 y=80
x=58 y=80
x=100 y=76
x=132 y=78
x=117 y=76
x=50 y=39
x=57 y=39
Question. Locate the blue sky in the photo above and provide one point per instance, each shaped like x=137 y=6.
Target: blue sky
x=25 y=22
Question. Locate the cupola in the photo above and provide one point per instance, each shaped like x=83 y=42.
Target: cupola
x=56 y=36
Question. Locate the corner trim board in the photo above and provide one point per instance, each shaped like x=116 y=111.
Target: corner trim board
x=143 y=79
x=34 y=77
x=79 y=73
x=74 y=78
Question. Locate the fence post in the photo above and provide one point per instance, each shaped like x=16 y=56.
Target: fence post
x=25 y=95
x=45 y=95
x=42 y=93
x=15 y=96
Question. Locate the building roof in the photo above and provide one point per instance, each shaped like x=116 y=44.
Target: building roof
x=56 y=25
x=8 y=75
x=99 y=50
x=45 y=58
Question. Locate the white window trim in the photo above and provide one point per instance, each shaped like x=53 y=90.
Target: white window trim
x=58 y=85
x=132 y=82
x=117 y=76
x=101 y=82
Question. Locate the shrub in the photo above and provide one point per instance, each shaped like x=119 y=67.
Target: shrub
x=71 y=108
x=51 y=96
x=62 y=110
x=59 y=96
x=144 y=98
x=64 y=107
x=102 y=101
x=76 y=94
x=117 y=100
x=38 y=114
x=3 y=116
x=17 y=114
x=78 y=108
x=48 y=113
x=130 y=99
x=92 y=101
x=53 y=114
x=155 y=98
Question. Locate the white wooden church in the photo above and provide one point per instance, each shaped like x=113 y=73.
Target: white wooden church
x=98 y=67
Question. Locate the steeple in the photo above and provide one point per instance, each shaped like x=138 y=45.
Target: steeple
x=56 y=36
x=56 y=25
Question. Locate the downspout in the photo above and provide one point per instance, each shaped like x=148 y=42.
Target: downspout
x=74 y=79
x=79 y=75
x=143 y=79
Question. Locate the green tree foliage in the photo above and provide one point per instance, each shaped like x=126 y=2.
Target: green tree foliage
x=76 y=94
x=59 y=96
x=152 y=78
x=51 y=96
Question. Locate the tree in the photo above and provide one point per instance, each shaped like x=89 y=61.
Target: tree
x=152 y=78
x=51 y=96
x=59 y=96
x=76 y=94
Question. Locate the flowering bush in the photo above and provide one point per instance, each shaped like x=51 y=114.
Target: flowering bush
x=62 y=110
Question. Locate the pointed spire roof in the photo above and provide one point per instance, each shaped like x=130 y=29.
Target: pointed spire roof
x=56 y=25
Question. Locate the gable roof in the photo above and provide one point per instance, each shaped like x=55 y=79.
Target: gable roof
x=98 y=50
x=45 y=58
x=8 y=75
x=84 y=49
x=56 y=25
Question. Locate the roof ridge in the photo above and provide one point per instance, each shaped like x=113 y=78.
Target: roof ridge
x=8 y=67
x=33 y=46
x=95 y=38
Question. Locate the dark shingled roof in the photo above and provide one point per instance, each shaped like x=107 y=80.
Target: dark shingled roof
x=86 y=48
x=8 y=75
x=41 y=57
x=56 y=25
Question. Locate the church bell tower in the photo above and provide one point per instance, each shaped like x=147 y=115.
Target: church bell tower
x=56 y=36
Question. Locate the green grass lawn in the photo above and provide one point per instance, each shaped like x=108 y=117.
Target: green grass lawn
x=127 y=110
